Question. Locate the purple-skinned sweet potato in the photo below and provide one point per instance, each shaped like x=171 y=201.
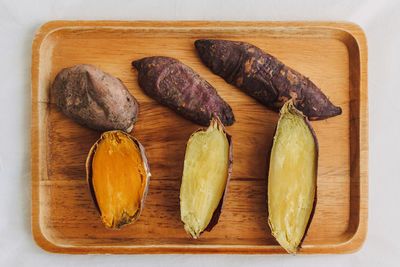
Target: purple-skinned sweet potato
x=94 y=98
x=206 y=173
x=264 y=77
x=177 y=86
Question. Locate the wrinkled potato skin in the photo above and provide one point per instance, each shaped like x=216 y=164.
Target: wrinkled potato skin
x=264 y=77
x=177 y=86
x=94 y=98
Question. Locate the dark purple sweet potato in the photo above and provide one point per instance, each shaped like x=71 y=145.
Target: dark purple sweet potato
x=175 y=85
x=264 y=77
x=94 y=98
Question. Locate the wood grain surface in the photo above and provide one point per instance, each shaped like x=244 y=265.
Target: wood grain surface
x=64 y=219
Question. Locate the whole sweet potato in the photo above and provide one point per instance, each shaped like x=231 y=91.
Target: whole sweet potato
x=264 y=77
x=175 y=85
x=94 y=98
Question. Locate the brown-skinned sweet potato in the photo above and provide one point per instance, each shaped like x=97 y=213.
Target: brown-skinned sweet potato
x=94 y=98
x=175 y=85
x=264 y=77
x=292 y=178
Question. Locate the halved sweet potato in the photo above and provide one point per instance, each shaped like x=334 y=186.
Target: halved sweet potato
x=206 y=172
x=118 y=177
x=292 y=179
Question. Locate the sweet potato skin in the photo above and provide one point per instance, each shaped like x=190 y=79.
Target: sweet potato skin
x=177 y=86
x=94 y=98
x=264 y=77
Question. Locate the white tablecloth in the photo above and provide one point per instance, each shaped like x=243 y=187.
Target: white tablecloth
x=380 y=20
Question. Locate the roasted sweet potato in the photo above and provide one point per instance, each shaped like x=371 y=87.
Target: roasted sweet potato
x=292 y=178
x=175 y=85
x=118 y=176
x=264 y=77
x=94 y=98
x=206 y=172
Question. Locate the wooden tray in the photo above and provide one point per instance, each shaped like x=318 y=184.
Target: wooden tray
x=64 y=219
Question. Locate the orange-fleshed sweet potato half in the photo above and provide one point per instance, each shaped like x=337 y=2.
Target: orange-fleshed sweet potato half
x=264 y=77
x=118 y=177
x=206 y=173
x=292 y=178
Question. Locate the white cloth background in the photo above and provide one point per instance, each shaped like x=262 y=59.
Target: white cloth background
x=380 y=20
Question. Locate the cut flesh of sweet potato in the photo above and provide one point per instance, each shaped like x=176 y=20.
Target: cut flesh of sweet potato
x=205 y=177
x=292 y=178
x=119 y=178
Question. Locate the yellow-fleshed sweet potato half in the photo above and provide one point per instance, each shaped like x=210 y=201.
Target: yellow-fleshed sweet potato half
x=94 y=98
x=118 y=177
x=292 y=178
x=206 y=173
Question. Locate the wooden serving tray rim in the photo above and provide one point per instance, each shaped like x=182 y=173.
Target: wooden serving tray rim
x=352 y=244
